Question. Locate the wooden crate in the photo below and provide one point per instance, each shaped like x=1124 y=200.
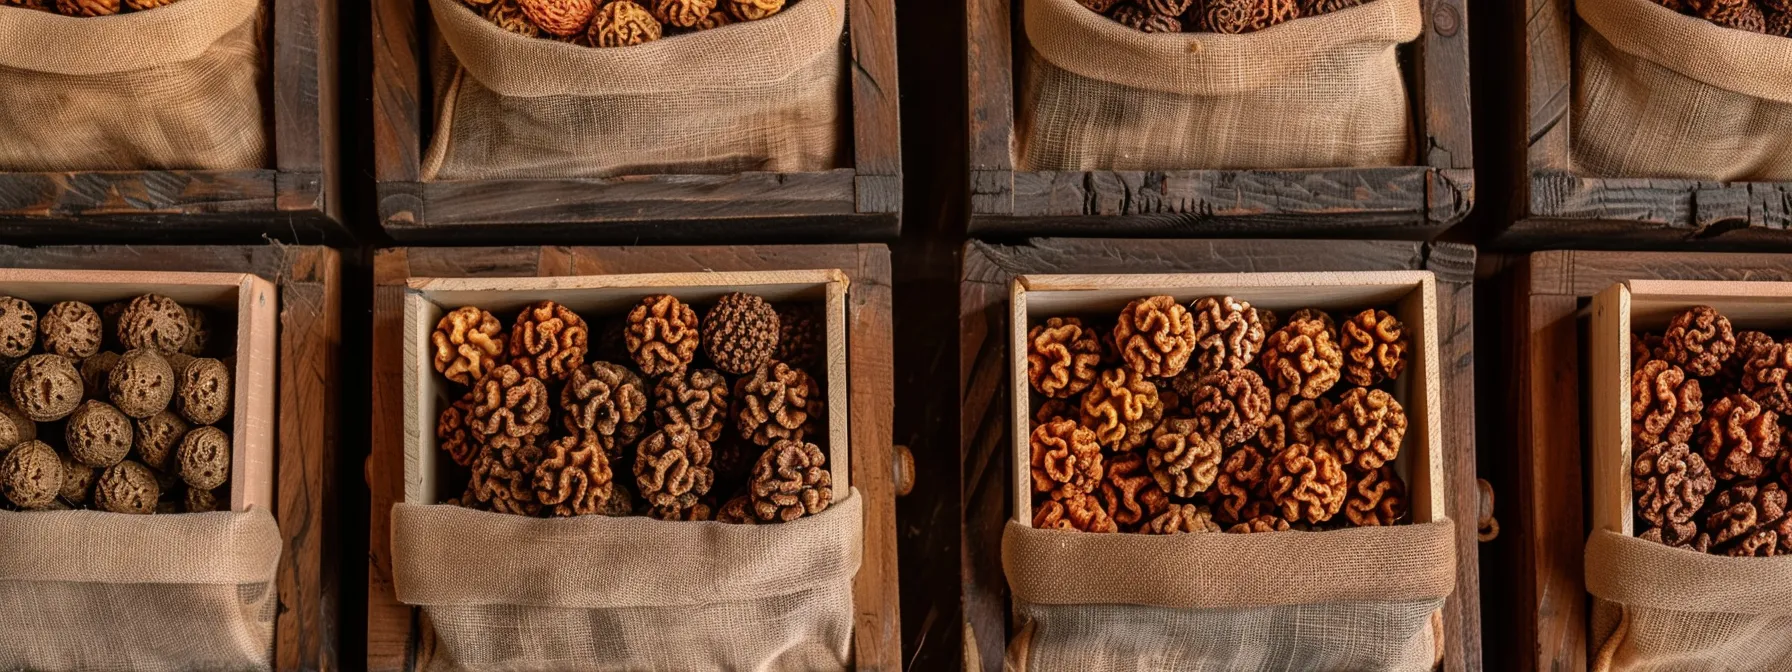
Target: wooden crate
x=1527 y=55
x=292 y=380
x=986 y=318
x=1412 y=294
x=1409 y=202
x=1541 y=320
x=399 y=638
x=249 y=299
x=295 y=198
x=860 y=202
x=426 y=392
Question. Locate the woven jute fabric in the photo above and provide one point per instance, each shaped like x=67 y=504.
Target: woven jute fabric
x=177 y=87
x=507 y=592
x=753 y=96
x=1353 y=599
x=88 y=590
x=1659 y=94
x=1662 y=608
x=1318 y=92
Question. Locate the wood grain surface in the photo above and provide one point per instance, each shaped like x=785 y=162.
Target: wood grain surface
x=984 y=393
x=308 y=280
x=399 y=637
x=1538 y=323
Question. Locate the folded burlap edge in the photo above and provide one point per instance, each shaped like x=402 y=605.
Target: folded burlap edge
x=84 y=46
x=1752 y=64
x=1634 y=572
x=525 y=67
x=221 y=548
x=1068 y=35
x=1218 y=570
x=601 y=562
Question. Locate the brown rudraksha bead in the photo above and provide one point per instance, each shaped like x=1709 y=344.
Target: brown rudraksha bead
x=607 y=402
x=559 y=17
x=468 y=343
x=548 y=341
x=1698 y=341
x=790 y=480
x=1234 y=17
x=1366 y=428
x=740 y=333
x=1227 y=334
x=503 y=479
x=1231 y=405
x=1374 y=344
x=622 y=23
x=695 y=397
x=1302 y=359
x=1065 y=456
x=1665 y=405
x=1182 y=519
x=1307 y=483
x=1155 y=336
x=1377 y=497
x=672 y=468
x=1121 y=408
x=1738 y=438
x=1079 y=511
x=1063 y=357
x=661 y=333
x=574 y=476
x=1670 y=483
x=777 y=402
x=508 y=408
x=70 y=329
x=154 y=322
x=802 y=331
x=1130 y=493
x=1767 y=377
x=1749 y=519
x=1183 y=457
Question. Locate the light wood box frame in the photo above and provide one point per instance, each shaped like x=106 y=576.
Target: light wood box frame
x=860 y=201
x=294 y=197
x=1413 y=202
x=1412 y=293
x=255 y=304
x=428 y=299
x=1648 y=305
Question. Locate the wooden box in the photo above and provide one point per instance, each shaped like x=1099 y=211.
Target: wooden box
x=1545 y=320
x=413 y=284
x=252 y=303
x=987 y=340
x=1410 y=296
x=295 y=198
x=289 y=330
x=426 y=393
x=1409 y=202
x=859 y=202
x=1526 y=54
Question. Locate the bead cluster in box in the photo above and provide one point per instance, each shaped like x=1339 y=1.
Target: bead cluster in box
x=605 y=306
x=1100 y=301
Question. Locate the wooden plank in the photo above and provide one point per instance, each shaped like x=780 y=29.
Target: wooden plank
x=984 y=447
x=397 y=638
x=1442 y=51
x=397 y=88
x=135 y=192
x=631 y=198
x=989 y=66
x=877 y=133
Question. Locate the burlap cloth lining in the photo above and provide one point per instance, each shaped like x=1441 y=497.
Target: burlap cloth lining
x=1323 y=91
x=1659 y=94
x=752 y=96
x=177 y=87
x=1663 y=608
x=88 y=590
x=508 y=592
x=1363 y=598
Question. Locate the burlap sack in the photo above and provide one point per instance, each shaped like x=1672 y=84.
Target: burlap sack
x=1319 y=92
x=754 y=96
x=507 y=592
x=1669 y=609
x=1353 y=599
x=1659 y=94
x=172 y=88
x=87 y=590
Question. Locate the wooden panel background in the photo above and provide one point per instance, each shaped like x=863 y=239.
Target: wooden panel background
x=1537 y=318
x=296 y=199
x=309 y=282
x=984 y=395
x=398 y=637
x=1413 y=202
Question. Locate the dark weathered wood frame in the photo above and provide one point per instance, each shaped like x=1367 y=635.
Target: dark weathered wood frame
x=398 y=636
x=861 y=202
x=984 y=380
x=295 y=199
x=1550 y=204
x=1410 y=202
x=309 y=282
x=1538 y=323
